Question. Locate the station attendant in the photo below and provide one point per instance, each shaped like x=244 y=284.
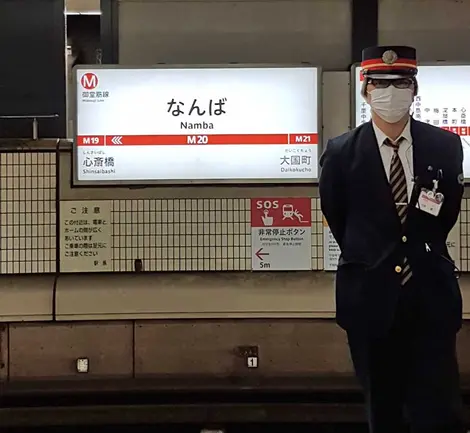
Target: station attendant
x=391 y=191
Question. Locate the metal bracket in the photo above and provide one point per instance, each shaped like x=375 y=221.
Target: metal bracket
x=35 y=121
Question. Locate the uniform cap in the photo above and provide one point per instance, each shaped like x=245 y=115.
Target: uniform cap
x=389 y=62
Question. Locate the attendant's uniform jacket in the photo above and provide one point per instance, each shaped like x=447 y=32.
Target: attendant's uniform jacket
x=357 y=202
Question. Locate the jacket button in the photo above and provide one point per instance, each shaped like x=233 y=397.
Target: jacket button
x=404 y=239
x=397 y=269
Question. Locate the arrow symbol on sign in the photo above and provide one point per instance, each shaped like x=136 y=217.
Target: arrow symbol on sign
x=116 y=140
x=260 y=255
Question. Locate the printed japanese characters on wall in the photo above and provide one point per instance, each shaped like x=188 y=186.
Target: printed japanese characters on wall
x=85 y=236
x=443 y=101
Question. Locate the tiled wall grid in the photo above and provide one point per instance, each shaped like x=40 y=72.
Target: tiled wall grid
x=191 y=235
x=27 y=212
x=168 y=235
x=465 y=236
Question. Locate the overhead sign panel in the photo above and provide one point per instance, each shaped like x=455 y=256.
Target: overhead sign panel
x=196 y=125
x=443 y=100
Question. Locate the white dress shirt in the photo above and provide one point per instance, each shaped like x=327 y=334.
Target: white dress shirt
x=405 y=153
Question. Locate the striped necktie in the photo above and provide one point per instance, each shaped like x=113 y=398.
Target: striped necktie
x=400 y=197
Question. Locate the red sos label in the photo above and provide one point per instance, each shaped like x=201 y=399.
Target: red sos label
x=267 y=204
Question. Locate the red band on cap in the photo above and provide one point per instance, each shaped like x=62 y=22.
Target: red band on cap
x=373 y=63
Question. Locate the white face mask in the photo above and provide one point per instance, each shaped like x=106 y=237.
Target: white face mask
x=391 y=104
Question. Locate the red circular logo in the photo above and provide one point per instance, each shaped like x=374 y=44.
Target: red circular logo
x=89 y=81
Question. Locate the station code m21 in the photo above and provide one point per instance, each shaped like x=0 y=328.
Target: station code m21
x=213 y=139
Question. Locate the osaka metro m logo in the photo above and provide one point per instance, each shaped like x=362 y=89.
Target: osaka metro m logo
x=89 y=81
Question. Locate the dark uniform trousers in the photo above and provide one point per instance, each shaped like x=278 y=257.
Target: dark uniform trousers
x=410 y=375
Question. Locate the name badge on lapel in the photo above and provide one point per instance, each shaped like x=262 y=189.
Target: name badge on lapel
x=430 y=201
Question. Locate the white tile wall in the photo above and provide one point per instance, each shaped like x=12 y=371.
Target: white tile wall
x=27 y=212
x=182 y=234
x=464 y=235
x=191 y=235
x=317 y=236
x=166 y=234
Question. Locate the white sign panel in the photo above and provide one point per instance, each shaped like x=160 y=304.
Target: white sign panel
x=453 y=243
x=281 y=234
x=196 y=125
x=443 y=100
x=331 y=250
x=85 y=236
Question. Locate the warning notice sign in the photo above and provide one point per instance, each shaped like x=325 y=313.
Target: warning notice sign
x=281 y=234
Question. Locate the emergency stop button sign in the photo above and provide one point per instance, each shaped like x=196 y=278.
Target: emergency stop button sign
x=281 y=234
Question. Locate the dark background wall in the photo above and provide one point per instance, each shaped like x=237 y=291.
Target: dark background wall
x=83 y=32
x=32 y=52
x=32 y=66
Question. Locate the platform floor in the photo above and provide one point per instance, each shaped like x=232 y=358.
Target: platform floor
x=232 y=428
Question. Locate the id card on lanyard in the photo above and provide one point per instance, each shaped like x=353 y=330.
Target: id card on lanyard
x=430 y=201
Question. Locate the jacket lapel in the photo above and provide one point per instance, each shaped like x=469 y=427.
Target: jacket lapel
x=422 y=152
x=376 y=172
